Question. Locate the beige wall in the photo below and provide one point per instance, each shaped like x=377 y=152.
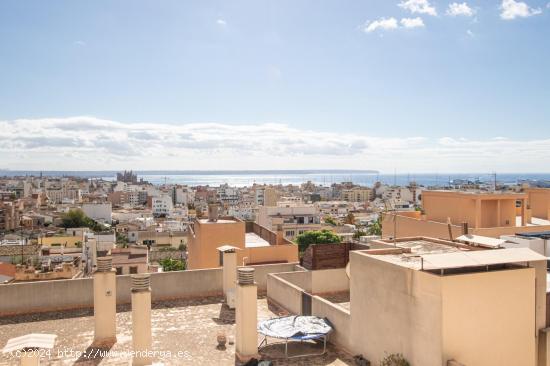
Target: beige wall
x=203 y=253
x=408 y=227
x=394 y=310
x=284 y=294
x=478 y=319
x=338 y=317
x=539 y=201
x=261 y=272
x=488 y=318
x=329 y=280
x=78 y=293
x=201 y=248
x=273 y=253
x=478 y=210
x=67 y=241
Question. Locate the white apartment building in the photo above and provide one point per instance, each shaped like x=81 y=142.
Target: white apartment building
x=101 y=212
x=162 y=205
x=334 y=208
x=228 y=194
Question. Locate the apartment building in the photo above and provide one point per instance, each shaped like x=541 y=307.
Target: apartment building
x=9 y=215
x=266 y=196
x=486 y=213
x=254 y=244
x=436 y=303
x=162 y=205
x=101 y=212
x=334 y=208
x=356 y=194
x=132 y=260
x=295 y=218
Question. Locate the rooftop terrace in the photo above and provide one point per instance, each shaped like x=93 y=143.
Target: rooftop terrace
x=184 y=333
x=414 y=248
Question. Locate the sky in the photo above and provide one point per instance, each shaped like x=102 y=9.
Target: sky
x=390 y=85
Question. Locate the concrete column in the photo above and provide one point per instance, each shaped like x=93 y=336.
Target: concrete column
x=478 y=214
x=246 y=316
x=30 y=358
x=523 y=221
x=141 y=320
x=499 y=224
x=280 y=234
x=229 y=276
x=104 y=302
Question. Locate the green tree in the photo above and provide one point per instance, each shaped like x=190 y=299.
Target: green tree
x=77 y=218
x=330 y=220
x=169 y=264
x=350 y=219
x=359 y=233
x=395 y=359
x=316 y=237
x=121 y=239
x=375 y=228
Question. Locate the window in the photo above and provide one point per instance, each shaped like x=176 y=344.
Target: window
x=133 y=270
x=118 y=270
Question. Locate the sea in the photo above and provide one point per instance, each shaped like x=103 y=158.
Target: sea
x=241 y=178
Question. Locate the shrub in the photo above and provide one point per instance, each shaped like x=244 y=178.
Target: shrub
x=316 y=237
x=394 y=359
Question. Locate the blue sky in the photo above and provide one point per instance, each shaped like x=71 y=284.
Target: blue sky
x=363 y=74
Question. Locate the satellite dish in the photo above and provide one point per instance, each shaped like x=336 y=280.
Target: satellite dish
x=348 y=272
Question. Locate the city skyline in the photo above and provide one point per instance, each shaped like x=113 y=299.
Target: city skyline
x=408 y=85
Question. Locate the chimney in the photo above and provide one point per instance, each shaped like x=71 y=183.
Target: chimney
x=464 y=228
x=246 y=315
x=104 y=302
x=229 y=276
x=212 y=212
x=141 y=319
x=279 y=234
x=29 y=357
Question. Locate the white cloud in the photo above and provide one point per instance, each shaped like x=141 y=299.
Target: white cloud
x=382 y=23
x=460 y=9
x=511 y=9
x=418 y=6
x=412 y=22
x=392 y=23
x=80 y=43
x=88 y=143
x=470 y=33
x=221 y=22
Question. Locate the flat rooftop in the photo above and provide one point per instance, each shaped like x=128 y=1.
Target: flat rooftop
x=252 y=240
x=431 y=254
x=184 y=333
x=417 y=247
x=479 y=193
x=219 y=221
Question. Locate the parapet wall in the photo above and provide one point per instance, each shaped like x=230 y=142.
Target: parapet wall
x=44 y=296
x=288 y=291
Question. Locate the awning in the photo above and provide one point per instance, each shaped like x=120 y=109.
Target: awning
x=481 y=241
